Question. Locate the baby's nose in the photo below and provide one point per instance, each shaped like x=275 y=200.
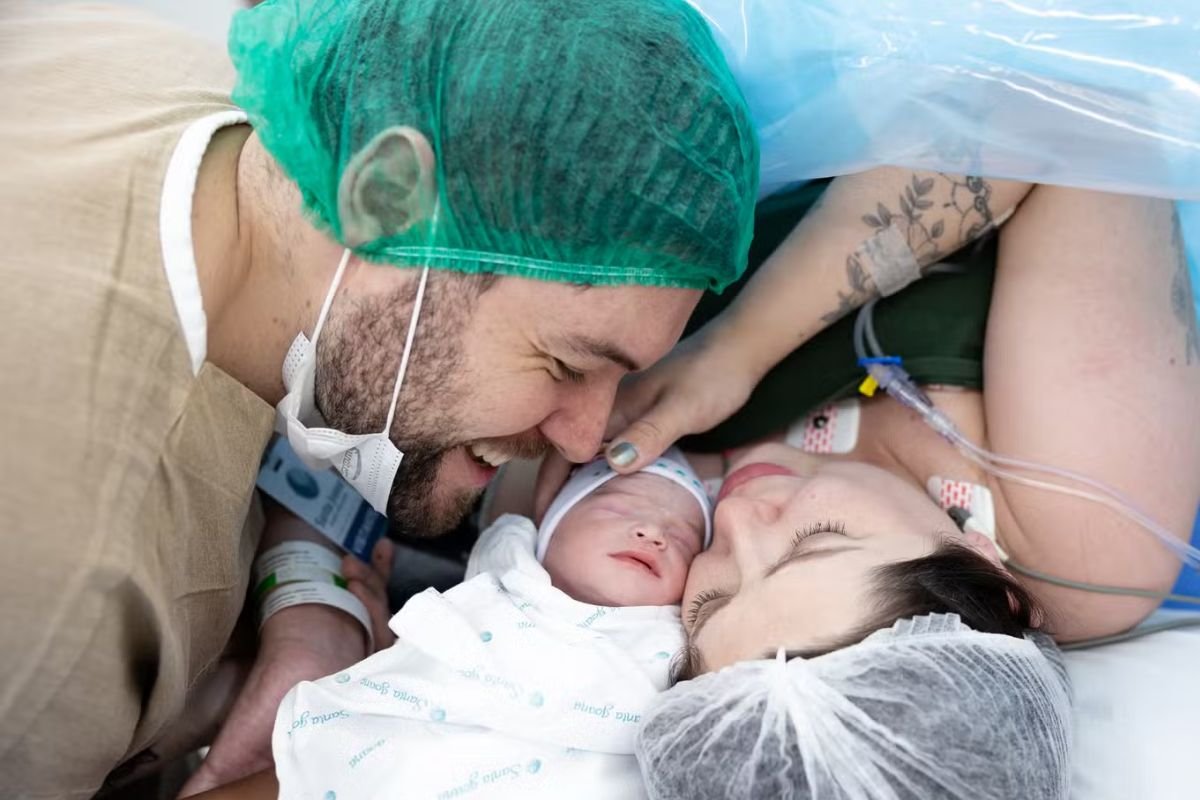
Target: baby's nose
x=651 y=535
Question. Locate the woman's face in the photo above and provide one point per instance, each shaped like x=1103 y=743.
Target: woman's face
x=795 y=542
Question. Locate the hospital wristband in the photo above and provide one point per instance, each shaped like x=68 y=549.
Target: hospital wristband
x=293 y=554
x=297 y=573
x=310 y=593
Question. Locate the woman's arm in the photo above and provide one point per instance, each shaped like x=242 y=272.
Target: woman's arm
x=862 y=230
x=1093 y=364
x=870 y=232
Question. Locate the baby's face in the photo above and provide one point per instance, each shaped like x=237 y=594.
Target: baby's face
x=629 y=543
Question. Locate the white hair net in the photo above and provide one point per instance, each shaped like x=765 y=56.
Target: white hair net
x=924 y=710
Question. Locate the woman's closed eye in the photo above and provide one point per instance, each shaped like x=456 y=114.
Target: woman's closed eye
x=806 y=536
x=699 y=604
x=814 y=529
x=705 y=603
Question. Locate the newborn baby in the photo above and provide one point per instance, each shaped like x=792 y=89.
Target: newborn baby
x=532 y=675
x=614 y=540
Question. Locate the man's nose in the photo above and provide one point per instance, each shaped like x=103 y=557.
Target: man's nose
x=576 y=429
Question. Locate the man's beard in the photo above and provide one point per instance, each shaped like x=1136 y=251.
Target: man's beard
x=415 y=506
x=357 y=361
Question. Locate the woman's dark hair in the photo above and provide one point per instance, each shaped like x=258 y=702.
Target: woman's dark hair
x=954 y=579
x=958 y=580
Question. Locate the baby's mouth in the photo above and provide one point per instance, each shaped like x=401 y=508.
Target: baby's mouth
x=641 y=560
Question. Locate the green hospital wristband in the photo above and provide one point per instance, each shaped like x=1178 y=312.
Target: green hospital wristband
x=295 y=574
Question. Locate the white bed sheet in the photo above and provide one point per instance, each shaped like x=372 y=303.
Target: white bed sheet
x=1137 y=718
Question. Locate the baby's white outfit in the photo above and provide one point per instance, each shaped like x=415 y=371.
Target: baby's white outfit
x=501 y=687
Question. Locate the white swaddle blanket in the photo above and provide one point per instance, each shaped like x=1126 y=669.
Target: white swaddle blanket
x=501 y=687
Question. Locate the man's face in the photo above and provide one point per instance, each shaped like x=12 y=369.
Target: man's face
x=510 y=372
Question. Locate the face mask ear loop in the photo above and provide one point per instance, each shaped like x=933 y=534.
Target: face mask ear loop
x=408 y=343
x=412 y=335
x=337 y=279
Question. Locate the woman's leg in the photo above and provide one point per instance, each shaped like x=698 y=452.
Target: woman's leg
x=1092 y=363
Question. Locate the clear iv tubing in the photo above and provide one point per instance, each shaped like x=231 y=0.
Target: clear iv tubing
x=892 y=378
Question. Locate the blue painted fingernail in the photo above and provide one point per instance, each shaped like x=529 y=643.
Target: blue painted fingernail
x=622 y=454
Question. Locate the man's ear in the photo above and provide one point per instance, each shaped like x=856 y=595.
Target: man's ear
x=387 y=187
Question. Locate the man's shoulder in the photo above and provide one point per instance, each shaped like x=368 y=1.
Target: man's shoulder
x=98 y=53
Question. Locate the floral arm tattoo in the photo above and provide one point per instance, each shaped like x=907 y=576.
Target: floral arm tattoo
x=936 y=215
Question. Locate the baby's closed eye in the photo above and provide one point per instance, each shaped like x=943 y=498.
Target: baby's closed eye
x=686 y=538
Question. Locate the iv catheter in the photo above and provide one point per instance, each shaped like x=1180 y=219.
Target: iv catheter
x=889 y=374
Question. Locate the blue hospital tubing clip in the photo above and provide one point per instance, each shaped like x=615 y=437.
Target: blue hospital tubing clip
x=867 y=361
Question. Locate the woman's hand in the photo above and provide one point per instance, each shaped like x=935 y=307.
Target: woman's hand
x=824 y=270
x=701 y=383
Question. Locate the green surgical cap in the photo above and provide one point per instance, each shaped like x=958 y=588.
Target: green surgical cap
x=586 y=141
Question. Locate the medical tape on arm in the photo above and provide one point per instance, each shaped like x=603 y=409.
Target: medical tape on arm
x=309 y=593
x=889 y=260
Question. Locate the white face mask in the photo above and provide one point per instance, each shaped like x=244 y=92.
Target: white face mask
x=368 y=461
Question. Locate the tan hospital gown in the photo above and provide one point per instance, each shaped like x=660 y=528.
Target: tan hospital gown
x=126 y=484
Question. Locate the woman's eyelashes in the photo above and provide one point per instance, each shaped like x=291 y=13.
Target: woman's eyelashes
x=697 y=607
x=698 y=603
x=814 y=528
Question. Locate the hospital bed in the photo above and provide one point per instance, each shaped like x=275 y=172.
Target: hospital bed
x=1137 y=717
